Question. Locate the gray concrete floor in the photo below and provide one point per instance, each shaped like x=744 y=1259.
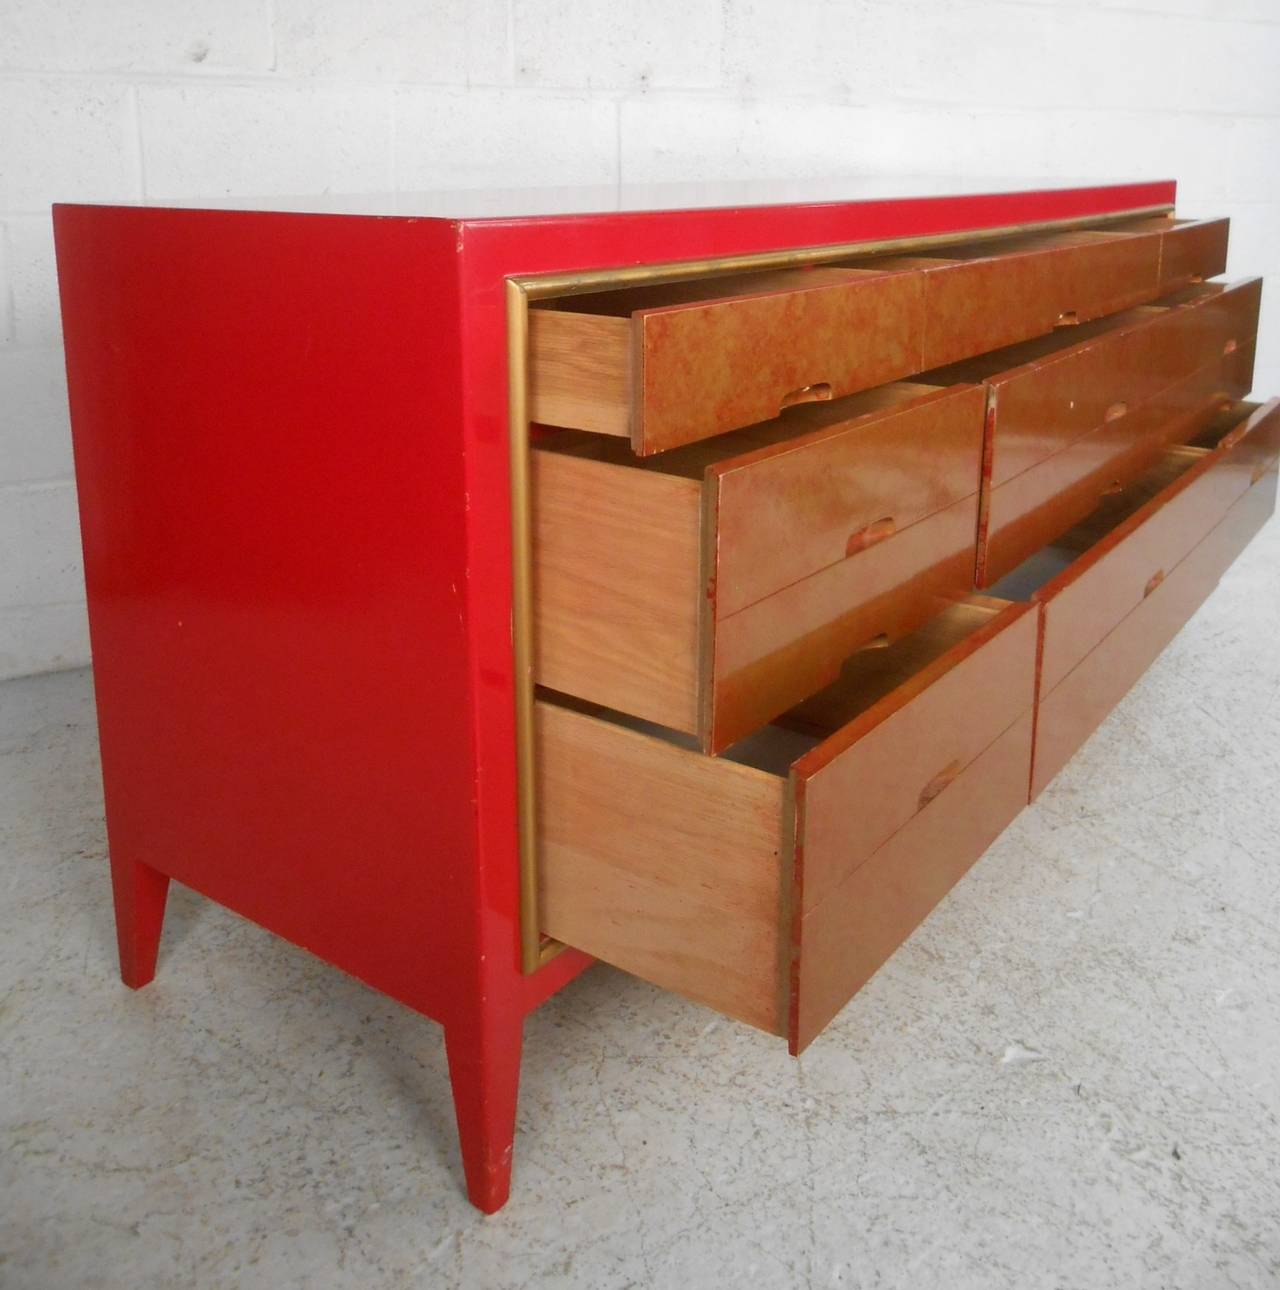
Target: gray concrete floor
x=1069 y=1078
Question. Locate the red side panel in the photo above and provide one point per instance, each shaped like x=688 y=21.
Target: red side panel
x=267 y=440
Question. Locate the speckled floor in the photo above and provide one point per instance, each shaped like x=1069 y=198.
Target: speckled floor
x=1069 y=1078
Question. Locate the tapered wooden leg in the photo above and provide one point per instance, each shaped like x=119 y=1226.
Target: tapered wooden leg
x=140 y=893
x=484 y=1069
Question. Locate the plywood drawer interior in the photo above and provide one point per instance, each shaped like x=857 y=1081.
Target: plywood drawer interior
x=770 y=882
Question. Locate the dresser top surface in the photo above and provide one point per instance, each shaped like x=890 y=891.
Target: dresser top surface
x=481 y=204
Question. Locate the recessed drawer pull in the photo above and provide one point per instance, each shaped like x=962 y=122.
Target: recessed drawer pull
x=874 y=532
x=1114 y=487
x=938 y=783
x=1230 y=347
x=1068 y=318
x=1152 y=583
x=820 y=392
x=1115 y=411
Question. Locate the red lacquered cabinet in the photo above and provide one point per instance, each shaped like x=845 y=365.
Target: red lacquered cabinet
x=473 y=595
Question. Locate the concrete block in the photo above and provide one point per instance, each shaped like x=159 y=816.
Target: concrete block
x=625 y=44
x=502 y=139
x=66 y=140
x=406 y=41
x=261 y=140
x=35 y=429
x=136 y=36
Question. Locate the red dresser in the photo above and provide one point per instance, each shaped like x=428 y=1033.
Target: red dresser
x=699 y=583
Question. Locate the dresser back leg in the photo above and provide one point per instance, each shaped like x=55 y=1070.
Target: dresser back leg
x=484 y=1069
x=139 y=893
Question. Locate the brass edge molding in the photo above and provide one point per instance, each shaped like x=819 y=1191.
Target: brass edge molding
x=520 y=290
x=532 y=954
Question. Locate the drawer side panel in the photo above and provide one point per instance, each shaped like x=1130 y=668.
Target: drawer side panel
x=616 y=573
x=667 y=864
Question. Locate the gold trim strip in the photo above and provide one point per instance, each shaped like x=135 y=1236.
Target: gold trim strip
x=535 y=950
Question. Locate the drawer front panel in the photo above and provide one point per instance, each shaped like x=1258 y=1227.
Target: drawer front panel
x=865 y=783
x=663 y=862
x=780 y=650
x=1072 y=709
x=786 y=512
x=1091 y=597
x=973 y=306
x=706 y=368
x=1037 y=410
x=1194 y=251
x=846 y=938
x=1028 y=511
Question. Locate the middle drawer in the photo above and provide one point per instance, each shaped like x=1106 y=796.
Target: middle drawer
x=712 y=587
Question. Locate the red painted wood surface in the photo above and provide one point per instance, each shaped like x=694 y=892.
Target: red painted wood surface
x=290 y=437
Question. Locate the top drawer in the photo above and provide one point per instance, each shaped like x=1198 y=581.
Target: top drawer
x=673 y=363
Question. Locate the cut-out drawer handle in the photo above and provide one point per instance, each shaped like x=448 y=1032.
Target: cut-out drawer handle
x=1068 y=318
x=874 y=532
x=1115 y=412
x=1152 y=583
x=817 y=393
x=1114 y=487
x=938 y=783
x=1230 y=347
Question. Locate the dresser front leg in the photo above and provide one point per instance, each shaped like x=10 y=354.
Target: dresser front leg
x=484 y=1069
x=139 y=893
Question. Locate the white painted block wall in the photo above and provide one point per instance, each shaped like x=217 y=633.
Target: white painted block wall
x=125 y=99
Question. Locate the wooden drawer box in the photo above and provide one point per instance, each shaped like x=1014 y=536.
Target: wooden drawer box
x=710 y=588
x=1115 y=589
x=1070 y=712
x=772 y=883
x=985 y=297
x=670 y=364
x=1070 y=423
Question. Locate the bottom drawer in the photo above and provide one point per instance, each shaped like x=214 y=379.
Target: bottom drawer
x=771 y=882
x=1074 y=708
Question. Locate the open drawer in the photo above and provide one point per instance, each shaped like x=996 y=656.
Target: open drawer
x=772 y=882
x=1073 y=417
x=712 y=587
x=1115 y=589
x=985 y=297
x=673 y=363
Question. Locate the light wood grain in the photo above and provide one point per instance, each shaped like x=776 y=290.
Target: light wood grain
x=1076 y=705
x=787 y=510
x=616 y=571
x=579 y=371
x=845 y=939
x=665 y=863
x=703 y=368
x=866 y=782
x=780 y=650
x=1171 y=509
